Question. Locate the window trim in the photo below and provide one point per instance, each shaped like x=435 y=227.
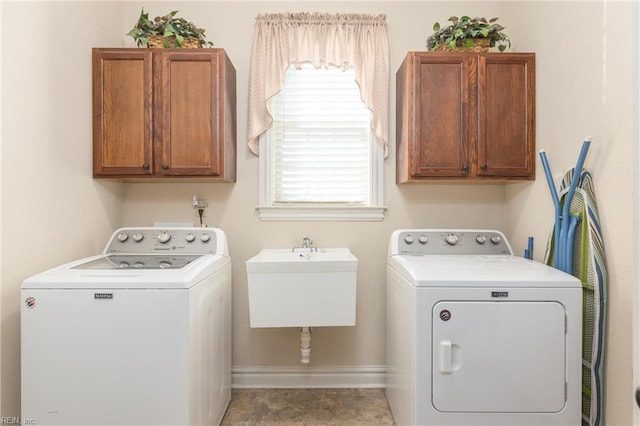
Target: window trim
x=320 y=212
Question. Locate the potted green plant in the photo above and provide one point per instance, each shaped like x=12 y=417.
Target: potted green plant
x=167 y=31
x=465 y=33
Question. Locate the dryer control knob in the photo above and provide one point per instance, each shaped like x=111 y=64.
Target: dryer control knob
x=205 y=238
x=451 y=239
x=481 y=239
x=495 y=239
x=164 y=237
x=137 y=237
x=423 y=239
x=189 y=237
x=408 y=239
x=122 y=237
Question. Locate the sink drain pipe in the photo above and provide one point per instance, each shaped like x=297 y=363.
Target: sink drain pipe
x=305 y=345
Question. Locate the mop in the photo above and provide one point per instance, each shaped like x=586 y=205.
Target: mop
x=576 y=247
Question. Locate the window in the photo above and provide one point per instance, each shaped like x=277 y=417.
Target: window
x=315 y=165
x=319 y=160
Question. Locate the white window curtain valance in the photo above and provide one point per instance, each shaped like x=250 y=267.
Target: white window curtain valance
x=343 y=40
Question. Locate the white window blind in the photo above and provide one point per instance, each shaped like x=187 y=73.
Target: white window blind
x=321 y=139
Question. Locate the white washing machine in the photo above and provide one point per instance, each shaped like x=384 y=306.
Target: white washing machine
x=478 y=336
x=139 y=335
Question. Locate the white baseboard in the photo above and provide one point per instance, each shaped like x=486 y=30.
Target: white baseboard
x=308 y=377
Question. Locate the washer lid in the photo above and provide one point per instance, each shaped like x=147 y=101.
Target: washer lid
x=101 y=272
x=478 y=271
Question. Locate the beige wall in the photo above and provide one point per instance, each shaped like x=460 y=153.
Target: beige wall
x=581 y=82
x=52 y=210
x=584 y=83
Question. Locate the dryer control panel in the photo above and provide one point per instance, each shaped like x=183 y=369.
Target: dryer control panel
x=449 y=241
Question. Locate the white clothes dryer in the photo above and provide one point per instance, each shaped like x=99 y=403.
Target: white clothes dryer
x=478 y=336
x=139 y=335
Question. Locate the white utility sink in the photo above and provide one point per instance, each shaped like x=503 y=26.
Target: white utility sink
x=302 y=288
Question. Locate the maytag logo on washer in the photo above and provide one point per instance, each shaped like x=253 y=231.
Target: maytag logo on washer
x=499 y=294
x=30 y=302
x=103 y=295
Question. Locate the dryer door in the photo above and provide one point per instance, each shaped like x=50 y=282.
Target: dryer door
x=500 y=357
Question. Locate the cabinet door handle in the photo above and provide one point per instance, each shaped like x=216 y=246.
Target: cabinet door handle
x=165 y=167
x=145 y=166
x=465 y=168
x=484 y=167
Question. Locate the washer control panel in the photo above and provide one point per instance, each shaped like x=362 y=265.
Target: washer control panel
x=155 y=240
x=455 y=241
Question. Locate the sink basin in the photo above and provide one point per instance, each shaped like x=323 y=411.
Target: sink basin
x=302 y=288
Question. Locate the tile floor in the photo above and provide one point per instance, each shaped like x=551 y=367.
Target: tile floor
x=307 y=407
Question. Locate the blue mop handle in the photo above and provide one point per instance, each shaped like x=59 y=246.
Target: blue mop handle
x=556 y=205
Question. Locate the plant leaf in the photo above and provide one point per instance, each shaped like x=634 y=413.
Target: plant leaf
x=436 y=26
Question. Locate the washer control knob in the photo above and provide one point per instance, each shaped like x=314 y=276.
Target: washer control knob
x=451 y=239
x=164 y=237
x=495 y=239
x=137 y=237
x=481 y=239
x=408 y=239
x=189 y=237
x=205 y=238
x=122 y=237
x=138 y=265
x=423 y=239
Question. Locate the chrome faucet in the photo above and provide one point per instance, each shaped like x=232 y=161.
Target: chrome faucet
x=307 y=243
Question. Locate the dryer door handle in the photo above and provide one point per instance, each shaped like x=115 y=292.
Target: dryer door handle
x=445 y=356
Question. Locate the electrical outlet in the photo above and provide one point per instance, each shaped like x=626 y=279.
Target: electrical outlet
x=199 y=203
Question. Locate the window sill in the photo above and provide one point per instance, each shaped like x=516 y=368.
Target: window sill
x=321 y=213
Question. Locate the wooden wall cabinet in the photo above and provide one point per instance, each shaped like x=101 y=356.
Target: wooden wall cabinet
x=465 y=117
x=163 y=114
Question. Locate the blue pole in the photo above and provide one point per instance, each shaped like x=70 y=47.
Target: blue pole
x=566 y=242
x=573 y=221
x=556 y=204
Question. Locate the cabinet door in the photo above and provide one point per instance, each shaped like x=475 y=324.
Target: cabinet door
x=441 y=108
x=506 y=109
x=122 y=112
x=187 y=130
